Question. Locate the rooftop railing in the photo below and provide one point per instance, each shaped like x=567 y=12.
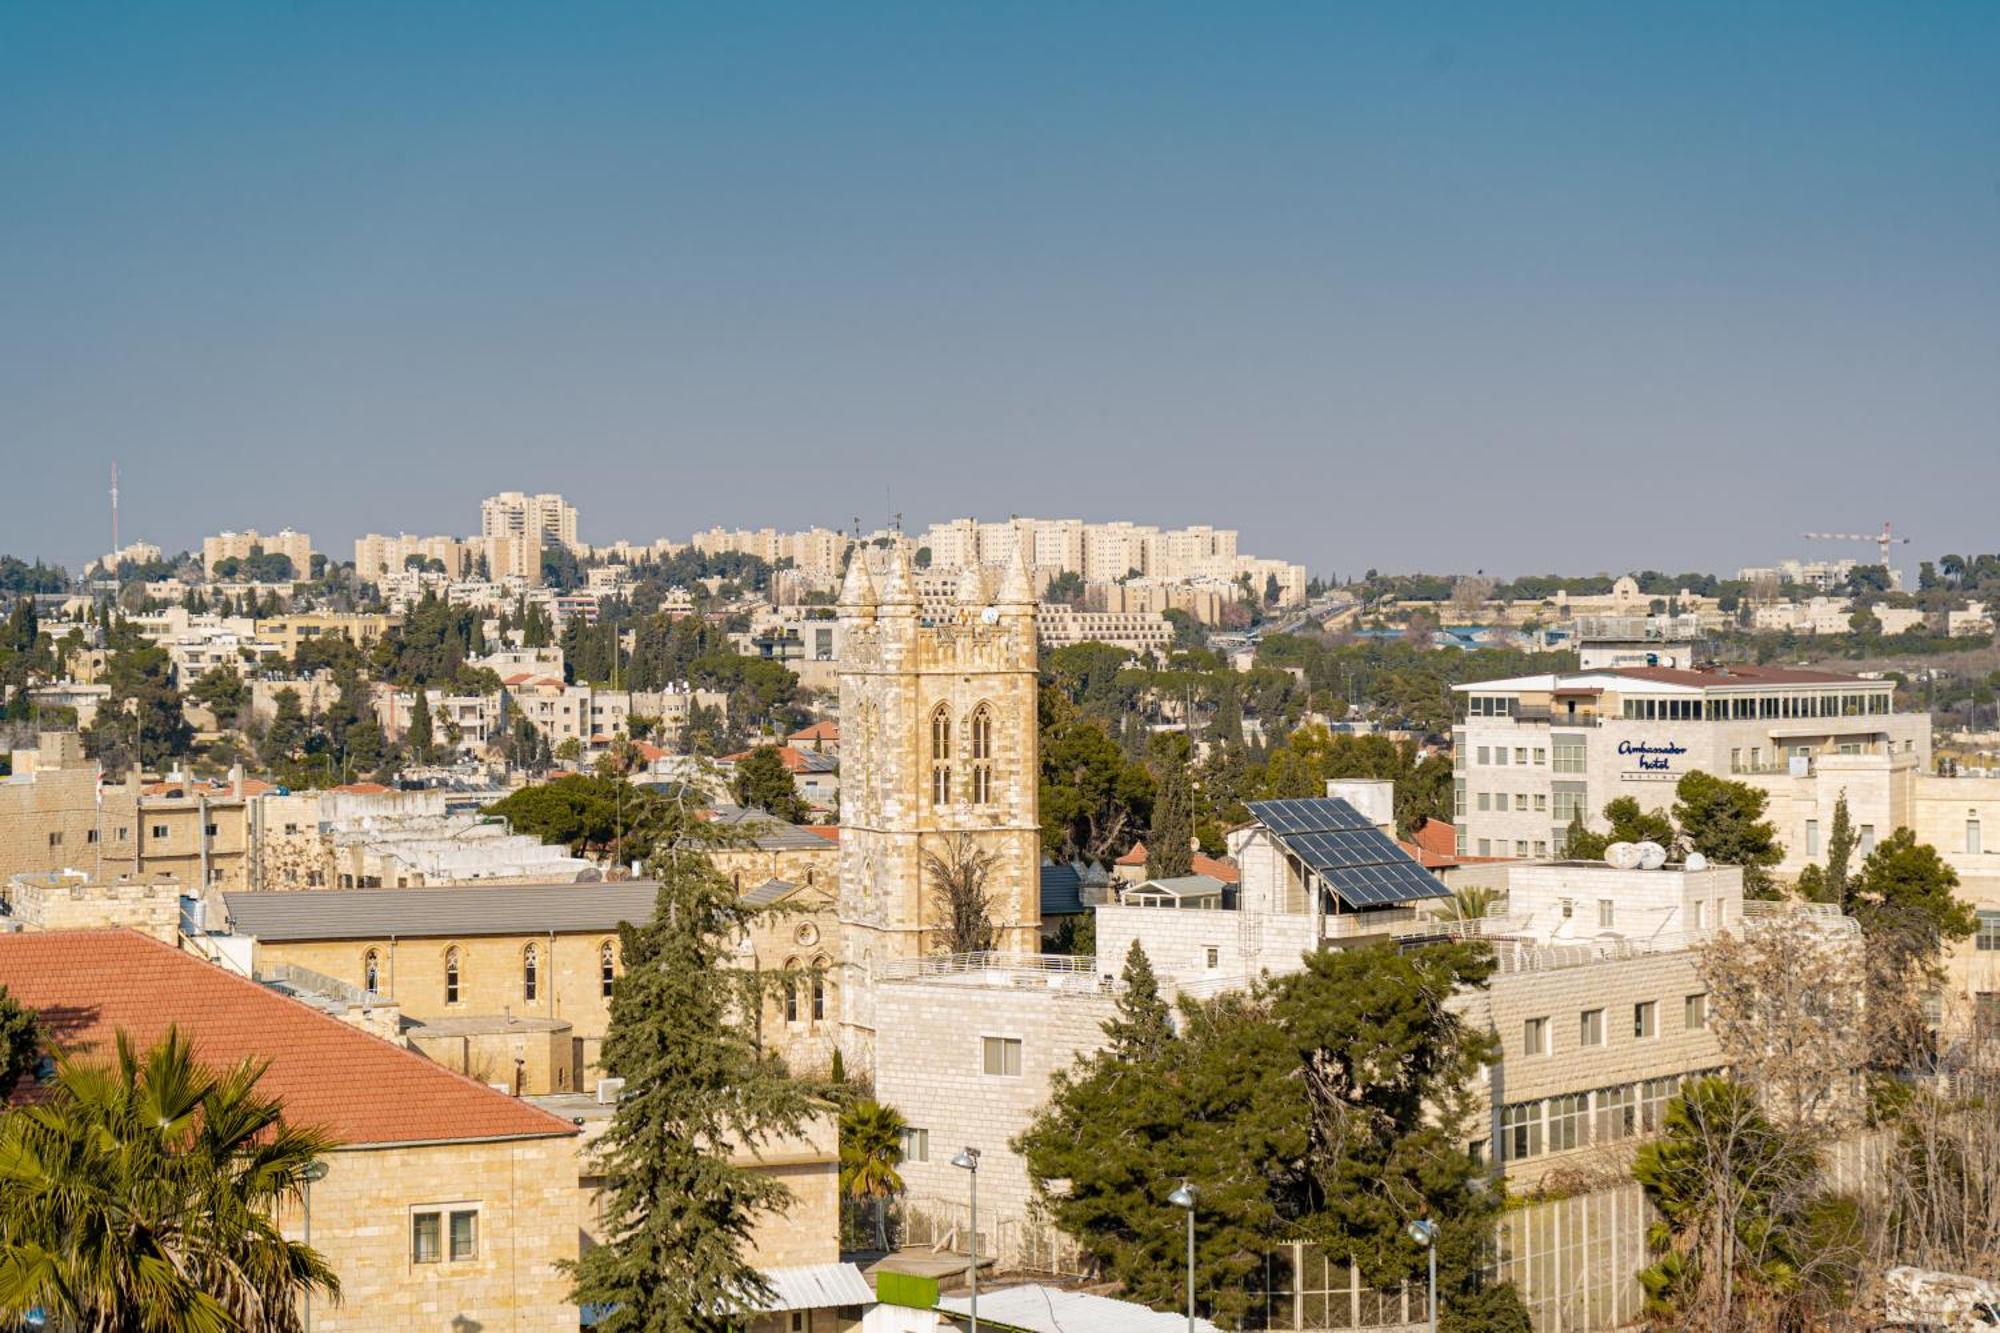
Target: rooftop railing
x=1069 y=973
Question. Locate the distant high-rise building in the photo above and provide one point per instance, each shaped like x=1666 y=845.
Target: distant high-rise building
x=294 y=546
x=545 y=517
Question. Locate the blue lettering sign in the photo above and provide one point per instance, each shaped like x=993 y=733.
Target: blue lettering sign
x=1652 y=757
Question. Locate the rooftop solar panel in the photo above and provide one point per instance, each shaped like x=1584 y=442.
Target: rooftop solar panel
x=1360 y=864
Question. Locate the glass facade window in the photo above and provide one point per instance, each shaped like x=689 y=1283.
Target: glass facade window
x=1521 y=1131
x=1568 y=754
x=1569 y=1120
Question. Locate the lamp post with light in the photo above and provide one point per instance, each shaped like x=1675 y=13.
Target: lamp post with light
x=1184 y=1198
x=968 y=1160
x=1424 y=1233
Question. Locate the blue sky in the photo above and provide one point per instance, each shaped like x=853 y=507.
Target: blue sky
x=1521 y=286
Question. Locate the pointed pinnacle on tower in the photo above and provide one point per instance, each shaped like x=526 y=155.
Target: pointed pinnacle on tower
x=1016 y=587
x=900 y=588
x=971 y=586
x=857 y=590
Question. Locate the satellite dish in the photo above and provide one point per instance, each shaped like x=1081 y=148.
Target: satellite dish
x=1651 y=856
x=1695 y=861
x=1622 y=855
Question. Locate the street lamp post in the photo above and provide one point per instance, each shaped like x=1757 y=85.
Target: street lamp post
x=1184 y=1198
x=1425 y=1233
x=968 y=1160
x=314 y=1170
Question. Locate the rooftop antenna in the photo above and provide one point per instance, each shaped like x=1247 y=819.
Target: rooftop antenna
x=114 y=511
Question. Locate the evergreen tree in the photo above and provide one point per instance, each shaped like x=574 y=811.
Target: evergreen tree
x=1840 y=844
x=1723 y=820
x=1170 y=842
x=418 y=740
x=679 y=1213
x=285 y=738
x=1143 y=1025
x=20 y=1042
x=764 y=783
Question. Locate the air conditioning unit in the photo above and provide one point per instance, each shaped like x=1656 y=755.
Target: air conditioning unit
x=608 y=1090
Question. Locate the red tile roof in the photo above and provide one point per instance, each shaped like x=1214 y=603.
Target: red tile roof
x=831 y=832
x=789 y=756
x=1435 y=835
x=825 y=730
x=362 y=788
x=1225 y=871
x=88 y=984
x=1737 y=673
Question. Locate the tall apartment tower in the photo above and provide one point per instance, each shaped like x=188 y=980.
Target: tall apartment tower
x=543 y=517
x=941 y=764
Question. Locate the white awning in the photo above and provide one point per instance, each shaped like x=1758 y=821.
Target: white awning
x=816 y=1287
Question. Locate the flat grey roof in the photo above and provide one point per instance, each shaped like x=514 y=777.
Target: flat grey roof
x=512 y=909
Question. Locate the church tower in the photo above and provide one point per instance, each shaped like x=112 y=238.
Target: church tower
x=940 y=770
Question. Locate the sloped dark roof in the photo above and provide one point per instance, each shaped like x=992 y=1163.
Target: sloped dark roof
x=512 y=909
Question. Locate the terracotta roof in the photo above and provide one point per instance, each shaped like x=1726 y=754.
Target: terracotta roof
x=362 y=788
x=1225 y=871
x=1435 y=835
x=649 y=752
x=825 y=730
x=1737 y=673
x=86 y=985
x=831 y=832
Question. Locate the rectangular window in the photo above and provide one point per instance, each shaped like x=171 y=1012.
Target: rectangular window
x=208 y=829
x=1485 y=800
x=1617 y=1113
x=1568 y=754
x=1521 y=755
x=1003 y=1057
x=91 y=837
x=1535 y=1037
x=1541 y=757
x=464 y=1234
x=1590 y=1028
x=55 y=839
x=426 y=1237
x=1212 y=956
x=1520 y=847
x=1458 y=799
x=1606 y=913
x=1988 y=938
x=1654 y=1094
x=1867 y=843
x=159 y=832
x=1736 y=759
x=1568 y=805
x=1646 y=1019
x=1568 y=1118
x=1520 y=801
x=916 y=1145
x=1972 y=842
x=1484 y=752
x=1568 y=908
x=1521 y=1130
x=1542 y=801
x=1698 y=911
x=1486 y=846
x=1696 y=1012
x=1500 y=755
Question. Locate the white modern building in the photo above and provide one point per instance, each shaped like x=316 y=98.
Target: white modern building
x=1532 y=752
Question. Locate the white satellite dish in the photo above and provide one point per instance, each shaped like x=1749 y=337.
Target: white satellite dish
x=1622 y=855
x=1695 y=861
x=1651 y=856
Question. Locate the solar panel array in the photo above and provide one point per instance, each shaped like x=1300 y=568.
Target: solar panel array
x=1356 y=860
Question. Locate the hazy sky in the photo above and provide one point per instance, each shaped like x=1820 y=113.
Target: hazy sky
x=1520 y=286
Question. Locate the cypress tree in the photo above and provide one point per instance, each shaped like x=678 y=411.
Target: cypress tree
x=1143 y=1024
x=679 y=1214
x=1170 y=841
x=1840 y=844
x=419 y=739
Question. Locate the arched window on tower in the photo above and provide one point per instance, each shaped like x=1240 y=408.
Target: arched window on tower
x=941 y=756
x=792 y=986
x=531 y=973
x=451 y=976
x=819 y=990
x=982 y=755
x=371 y=972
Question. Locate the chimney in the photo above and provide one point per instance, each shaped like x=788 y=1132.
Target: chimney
x=1373 y=798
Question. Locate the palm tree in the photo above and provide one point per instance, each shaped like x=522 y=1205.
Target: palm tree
x=1470 y=903
x=871 y=1148
x=144 y=1197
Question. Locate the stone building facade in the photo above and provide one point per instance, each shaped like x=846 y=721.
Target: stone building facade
x=938 y=728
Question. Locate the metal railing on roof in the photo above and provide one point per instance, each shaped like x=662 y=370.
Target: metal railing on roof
x=1072 y=973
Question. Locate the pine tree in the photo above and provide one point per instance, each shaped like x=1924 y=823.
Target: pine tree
x=1170 y=842
x=679 y=1214
x=1143 y=1024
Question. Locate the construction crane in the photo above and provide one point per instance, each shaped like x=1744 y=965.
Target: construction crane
x=1884 y=539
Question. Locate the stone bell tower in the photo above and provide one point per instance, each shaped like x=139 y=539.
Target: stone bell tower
x=940 y=764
